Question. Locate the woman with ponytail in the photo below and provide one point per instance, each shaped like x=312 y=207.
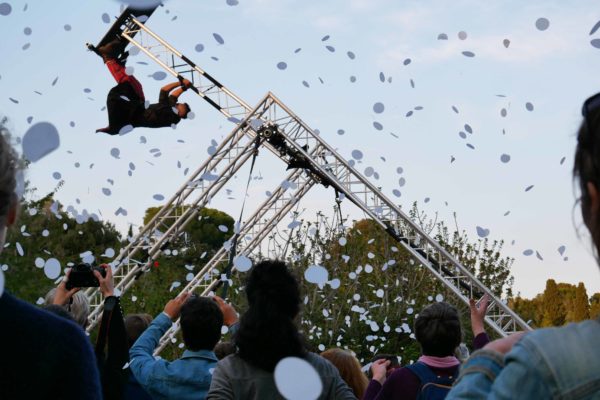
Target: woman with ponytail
x=267 y=334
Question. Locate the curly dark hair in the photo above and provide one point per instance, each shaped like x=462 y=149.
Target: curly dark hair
x=201 y=322
x=586 y=169
x=267 y=331
x=8 y=171
x=437 y=329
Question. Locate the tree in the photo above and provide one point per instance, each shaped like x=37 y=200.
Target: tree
x=45 y=230
x=375 y=288
x=581 y=305
x=595 y=306
x=554 y=312
x=180 y=260
x=532 y=311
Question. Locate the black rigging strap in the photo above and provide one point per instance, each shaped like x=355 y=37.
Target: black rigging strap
x=237 y=228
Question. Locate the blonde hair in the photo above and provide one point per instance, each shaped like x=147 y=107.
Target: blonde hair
x=349 y=368
x=79 y=307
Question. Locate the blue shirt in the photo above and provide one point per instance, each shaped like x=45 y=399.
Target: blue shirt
x=554 y=363
x=186 y=378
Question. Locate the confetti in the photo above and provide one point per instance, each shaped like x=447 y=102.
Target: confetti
x=357 y=154
x=281 y=65
x=505 y=158
x=218 y=38
x=199 y=48
x=296 y=379
x=242 y=263
x=5 y=9
x=482 y=232
x=462 y=35
x=52 y=268
x=351 y=55
x=468 y=54
x=159 y=75
x=378 y=108
x=40 y=140
x=529 y=106
x=542 y=24
x=506 y=43
x=316 y=274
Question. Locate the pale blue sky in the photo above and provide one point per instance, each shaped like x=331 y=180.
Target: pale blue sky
x=555 y=70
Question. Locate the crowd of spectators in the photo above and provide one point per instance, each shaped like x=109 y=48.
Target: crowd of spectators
x=46 y=354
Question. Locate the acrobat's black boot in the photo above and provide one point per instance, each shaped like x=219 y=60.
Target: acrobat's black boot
x=111 y=50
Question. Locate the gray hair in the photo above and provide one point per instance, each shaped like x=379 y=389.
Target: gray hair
x=79 y=308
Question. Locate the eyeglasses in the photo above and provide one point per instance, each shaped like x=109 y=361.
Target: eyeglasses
x=590 y=105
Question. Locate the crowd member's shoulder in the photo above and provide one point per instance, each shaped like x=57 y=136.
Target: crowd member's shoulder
x=55 y=347
x=564 y=358
x=578 y=334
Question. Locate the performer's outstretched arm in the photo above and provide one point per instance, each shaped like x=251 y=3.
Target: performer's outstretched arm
x=165 y=91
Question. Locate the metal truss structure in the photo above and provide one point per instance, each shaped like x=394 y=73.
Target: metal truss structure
x=274 y=126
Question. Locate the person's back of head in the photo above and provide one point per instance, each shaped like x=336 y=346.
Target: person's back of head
x=135 y=325
x=201 y=322
x=223 y=349
x=59 y=311
x=349 y=368
x=79 y=307
x=267 y=331
x=437 y=329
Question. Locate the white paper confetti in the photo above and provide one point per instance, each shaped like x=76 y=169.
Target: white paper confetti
x=296 y=379
x=39 y=140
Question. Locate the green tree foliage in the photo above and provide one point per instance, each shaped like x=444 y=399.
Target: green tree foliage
x=581 y=305
x=180 y=260
x=595 y=306
x=559 y=304
x=375 y=287
x=554 y=310
x=44 y=230
x=532 y=311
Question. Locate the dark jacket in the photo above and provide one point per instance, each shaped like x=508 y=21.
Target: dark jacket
x=43 y=356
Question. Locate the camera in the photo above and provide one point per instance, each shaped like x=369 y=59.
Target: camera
x=82 y=275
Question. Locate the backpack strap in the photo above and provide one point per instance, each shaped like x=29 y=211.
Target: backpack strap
x=426 y=375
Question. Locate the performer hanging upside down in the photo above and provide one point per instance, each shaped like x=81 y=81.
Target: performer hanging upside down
x=125 y=102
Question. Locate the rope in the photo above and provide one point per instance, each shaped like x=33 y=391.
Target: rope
x=233 y=248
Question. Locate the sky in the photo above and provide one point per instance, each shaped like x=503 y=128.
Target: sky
x=513 y=73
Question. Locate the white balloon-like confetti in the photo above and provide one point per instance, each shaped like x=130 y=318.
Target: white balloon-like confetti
x=52 y=268
x=316 y=274
x=242 y=263
x=39 y=140
x=296 y=379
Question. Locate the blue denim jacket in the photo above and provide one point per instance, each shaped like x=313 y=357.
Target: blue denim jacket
x=554 y=363
x=186 y=378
